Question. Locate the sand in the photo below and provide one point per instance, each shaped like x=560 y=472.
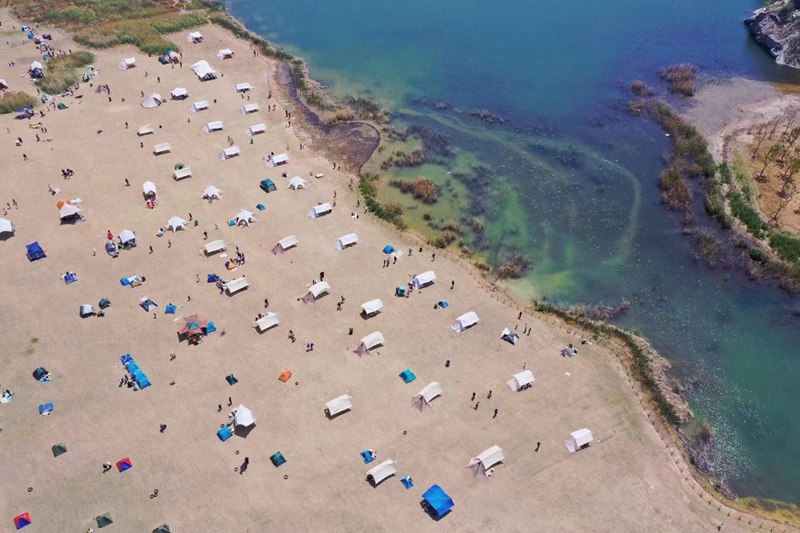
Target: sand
x=627 y=480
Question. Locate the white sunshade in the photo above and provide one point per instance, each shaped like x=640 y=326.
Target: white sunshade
x=276 y=160
x=337 y=405
x=382 y=471
x=244 y=416
x=162 y=148
x=216 y=125
x=372 y=340
x=245 y=217
x=316 y=290
x=176 y=223
x=199 y=106
x=145 y=130
x=582 y=437
x=297 y=183
x=3 y=84
x=194 y=36
x=127 y=63
x=242 y=87
x=215 y=246
x=203 y=69
x=152 y=101
x=229 y=152
x=149 y=187
x=182 y=173
x=346 y=241
x=179 y=92
x=464 y=321
x=235 y=285
x=211 y=192
x=519 y=380
x=421 y=280
x=319 y=210
x=67 y=210
x=255 y=129
x=486 y=460
x=249 y=108
x=372 y=306
x=6 y=226
x=225 y=53
x=36 y=66
x=126 y=236
x=284 y=244
x=431 y=391
x=269 y=321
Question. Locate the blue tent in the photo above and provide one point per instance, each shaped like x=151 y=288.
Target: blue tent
x=35 y=251
x=442 y=303
x=438 y=501
x=407 y=376
x=268 y=185
x=388 y=249
x=400 y=290
x=224 y=433
x=212 y=278
x=170 y=309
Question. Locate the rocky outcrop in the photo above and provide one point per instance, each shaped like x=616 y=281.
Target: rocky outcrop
x=777 y=27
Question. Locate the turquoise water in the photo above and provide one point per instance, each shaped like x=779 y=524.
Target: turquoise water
x=573 y=177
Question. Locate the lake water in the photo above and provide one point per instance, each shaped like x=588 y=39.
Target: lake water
x=573 y=177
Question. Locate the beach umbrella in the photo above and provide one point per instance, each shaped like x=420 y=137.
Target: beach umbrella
x=59 y=449
x=244 y=417
x=22 y=520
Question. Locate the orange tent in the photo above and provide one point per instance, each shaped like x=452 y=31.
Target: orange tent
x=285 y=375
x=60 y=204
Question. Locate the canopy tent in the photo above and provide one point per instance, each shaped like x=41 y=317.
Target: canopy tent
x=373 y=340
x=216 y=125
x=152 y=101
x=243 y=87
x=485 y=460
x=423 y=280
x=214 y=247
x=244 y=217
x=346 y=241
x=59 y=449
x=297 y=183
x=149 y=190
x=204 y=71
x=467 y=320
x=128 y=62
x=284 y=244
x=124 y=464
x=22 y=520
x=255 y=129
x=579 y=439
x=267 y=185
x=163 y=148
x=6 y=226
x=243 y=417
x=182 y=173
x=423 y=400
x=520 y=381
x=231 y=151
x=225 y=53
x=320 y=210
x=371 y=307
x=176 y=223
x=211 y=192
x=179 y=93
x=339 y=405
x=145 y=130
x=194 y=37
x=236 y=285
x=67 y=210
x=509 y=336
x=437 y=501
x=104 y=520
x=199 y=106
x=270 y=320
x=249 y=108
x=277 y=160
x=378 y=473
x=193 y=326
x=316 y=291
x=34 y=251
x=127 y=238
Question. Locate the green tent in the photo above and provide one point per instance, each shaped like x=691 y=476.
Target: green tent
x=104 y=520
x=59 y=449
x=179 y=166
x=62 y=105
x=163 y=528
x=268 y=186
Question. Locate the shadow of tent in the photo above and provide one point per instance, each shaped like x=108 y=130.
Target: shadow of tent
x=371 y=481
x=431 y=512
x=243 y=431
x=337 y=415
x=5 y=236
x=163 y=528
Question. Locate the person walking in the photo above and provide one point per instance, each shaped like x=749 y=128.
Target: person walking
x=537 y=446
x=473 y=397
x=495 y=414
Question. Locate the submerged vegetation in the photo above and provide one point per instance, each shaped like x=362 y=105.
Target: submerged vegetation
x=422 y=188
x=680 y=78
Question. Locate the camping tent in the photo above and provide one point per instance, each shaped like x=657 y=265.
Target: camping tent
x=152 y=101
x=124 y=464
x=255 y=129
x=193 y=327
x=423 y=400
x=267 y=185
x=22 y=520
x=244 y=217
x=319 y=210
x=145 y=130
x=486 y=460
x=521 y=380
x=179 y=93
x=378 y=473
x=579 y=439
x=339 y=405
x=163 y=528
x=149 y=190
x=59 y=449
x=173 y=56
x=104 y=520
x=199 y=106
x=277 y=160
x=316 y=291
x=86 y=310
x=182 y=173
x=422 y=280
x=217 y=125
x=3 y=85
x=509 y=336
x=285 y=375
x=236 y=285
x=231 y=151
x=225 y=53
x=194 y=37
x=467 y=320
x=204 y=71
x=162 y=148
x=215 y=246
x=67 y=210
x=34 y=251
x=249 y=108
x=243 y=417
x=147 y=304
x=437 y=501
x=243 y=87
x=373 y=340
x=346 y=241
x=297 y=183
x=371 y=307
x=284 y=244
x=176 y=223
x=128 y=62
x=6 y=226
x=127 y=238
x=270 y=320
x=211 y=192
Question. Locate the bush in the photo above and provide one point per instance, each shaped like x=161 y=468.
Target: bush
x=62 y=72
x=680 y=78
x=748 y=216
x=12 y=100
x=422 y=188
x=786 y=246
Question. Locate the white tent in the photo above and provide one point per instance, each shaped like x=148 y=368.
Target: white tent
x=255 y=129
x=235 y=285
x=244 y=217
x=346 y=241
x=319 y=210
x=249 y=108
x=36 y=66
x=276 y=160
x=486 y=460
x=422 y=280
x=243 y=87
x=423 y=400
x=243 y=416
x=216 y=125
x=211 y=192
x=284 y=244
x=67 y=210
x=145 y=130
x=520 y=380
x=86 y=310
x=182 y=173
x=174 y=56
x=179 y=93
x=152 y=101
x=338 y=405
x=378 y=473
x=215 y=246
x=128 y=62
x=3 y=85
x=510 y=336
x=162 y=148
x=6 y=226
x=231 y=151
x=225 y=53
x=149 y=187
x=579 y=439
x=315 y=291
x=176 y=223
x=465 y=321
x=297 y=183
x=371 y=307
x=194 y=37
x=270 y=320
x=199 y=106
x=126 y=236
x=204 y=71
x=146 y=303
x=373 y=340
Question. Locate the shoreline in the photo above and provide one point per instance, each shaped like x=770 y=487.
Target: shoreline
x=474 y=272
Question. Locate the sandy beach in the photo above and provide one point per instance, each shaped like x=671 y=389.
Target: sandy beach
x=626 y=480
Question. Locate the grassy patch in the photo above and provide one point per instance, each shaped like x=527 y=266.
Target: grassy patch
x=786 y=246
x=742 y=210
x=62 y=72
x=144 y=33
x=390 y=212
x=12 y=100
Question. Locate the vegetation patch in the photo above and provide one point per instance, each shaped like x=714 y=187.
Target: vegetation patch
x=390 y=212
x=13 y=100
x=514 y=267
x=680 y=78
x=62 y=72
x=422 y=188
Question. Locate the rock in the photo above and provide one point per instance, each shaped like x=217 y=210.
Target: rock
x=777 y=28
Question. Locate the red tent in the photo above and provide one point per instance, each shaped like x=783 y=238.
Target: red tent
x=22 y=520
x=124 y=464
x=193 y=328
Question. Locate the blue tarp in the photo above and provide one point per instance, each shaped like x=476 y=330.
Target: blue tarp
x=438 y=500
x=407 y=375
x=35 y=251
x=388 y=249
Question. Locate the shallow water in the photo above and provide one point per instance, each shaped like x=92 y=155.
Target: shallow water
x=573 y=178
